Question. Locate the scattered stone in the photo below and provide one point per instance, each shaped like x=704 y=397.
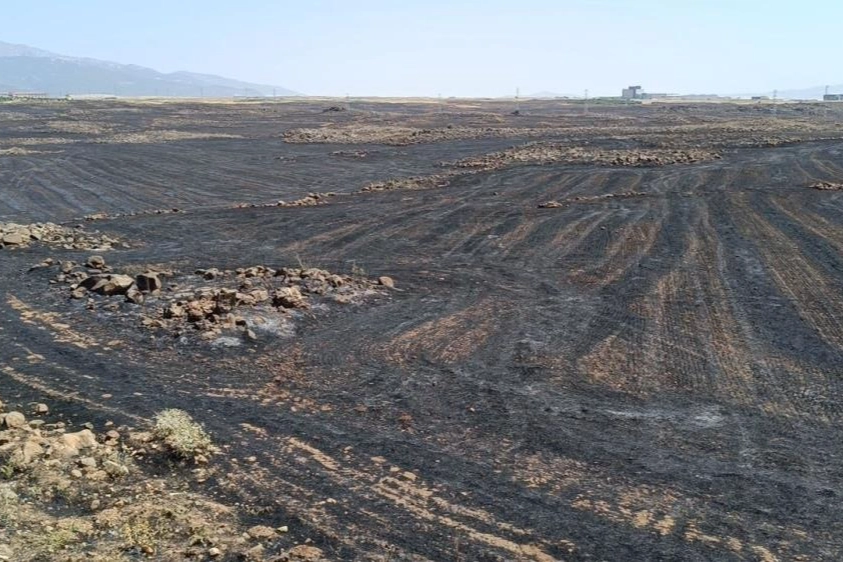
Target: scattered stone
x=41 y=409
x=14 y=419
x=13 y=235
x=70 y=444
x=261 y=532
x=148 y=282
x=115 y=470
x=225 y=305
x=214 y=552
x=134 y=295
x=95 y=262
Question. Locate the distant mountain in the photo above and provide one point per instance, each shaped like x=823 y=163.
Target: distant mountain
x=548 y=95
x=24 y=68
x=815 y=93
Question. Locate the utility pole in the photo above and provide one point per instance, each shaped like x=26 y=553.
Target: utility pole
x=825 y=104
x=517 y=100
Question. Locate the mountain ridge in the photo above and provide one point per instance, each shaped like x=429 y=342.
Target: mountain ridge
x=30 y=69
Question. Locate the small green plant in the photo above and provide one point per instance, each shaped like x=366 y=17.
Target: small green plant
x=7 y=471
x=185 y=437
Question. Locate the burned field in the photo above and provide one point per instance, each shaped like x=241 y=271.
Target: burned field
x=426 y=332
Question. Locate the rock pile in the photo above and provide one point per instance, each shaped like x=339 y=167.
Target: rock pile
x=106 y=216
x=310 y=200
x=827 y=186
x=415 y=182
x=80 y=454
x=95 y=277
x=111 y=504
x=591 y=198
x=13 y=235
x=405 y=136
x=213 y=310
x=550 y=153
x=212 y=301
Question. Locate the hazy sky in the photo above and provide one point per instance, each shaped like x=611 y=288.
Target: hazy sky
x=454 y=47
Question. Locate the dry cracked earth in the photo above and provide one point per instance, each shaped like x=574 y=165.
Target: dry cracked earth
x=611 y=336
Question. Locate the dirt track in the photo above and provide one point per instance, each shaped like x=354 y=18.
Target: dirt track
x=648 y=377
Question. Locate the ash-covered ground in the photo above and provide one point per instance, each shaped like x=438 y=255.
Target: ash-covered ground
x=605 y=336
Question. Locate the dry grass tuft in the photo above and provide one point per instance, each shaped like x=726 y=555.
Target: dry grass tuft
x=184 y=436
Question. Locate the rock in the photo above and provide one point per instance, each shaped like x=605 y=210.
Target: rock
x=78 y=293
x=6 y=552
x=7 y=494
x=31 y=450
x=115 y=470
x=288 y=297
x=148 y=282
x=95 y=262
x=214 y=552
x=261 y=532
x=12 y=239
x=14 y=419
x=116 y=285
x=134 y=295
x=69 y=444
x=386 y=282
x=76 y=473
x=41 y=409
x=175 y=310
x=305 y=552
x=251 y=335
x=210 y=274
x=88 y=462
x=255 y=554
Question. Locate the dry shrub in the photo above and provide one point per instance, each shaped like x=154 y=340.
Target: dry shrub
x=182 y=434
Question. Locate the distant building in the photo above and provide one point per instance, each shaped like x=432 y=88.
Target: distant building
x=631 y=93
x=833 y=97
x=760 y=98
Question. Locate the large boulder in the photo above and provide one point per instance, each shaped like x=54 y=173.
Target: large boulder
x=108 y=284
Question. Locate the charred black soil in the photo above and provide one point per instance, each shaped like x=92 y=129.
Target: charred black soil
x=648 y=370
